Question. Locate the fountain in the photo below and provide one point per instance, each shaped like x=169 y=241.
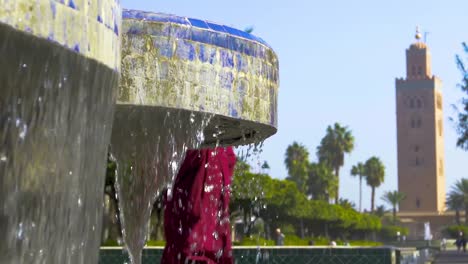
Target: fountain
x=186 y=83
x=59 y=66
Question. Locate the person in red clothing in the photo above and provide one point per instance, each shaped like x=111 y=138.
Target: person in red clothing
x=196 y=214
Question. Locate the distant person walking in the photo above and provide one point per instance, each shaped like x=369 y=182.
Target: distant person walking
x=443 y=244
x=279 y=237
x=459 y=242
x=463 y=242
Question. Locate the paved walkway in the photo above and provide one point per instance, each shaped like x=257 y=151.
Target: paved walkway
x=451 y=257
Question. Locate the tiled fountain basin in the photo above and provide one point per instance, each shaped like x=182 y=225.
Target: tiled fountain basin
x=183 y=63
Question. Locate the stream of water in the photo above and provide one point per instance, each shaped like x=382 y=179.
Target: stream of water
x=149 y=145
x=56 y=109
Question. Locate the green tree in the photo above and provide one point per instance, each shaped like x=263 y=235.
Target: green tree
x=297 y=161
x=460 y=189
x=114 y=226
x=337 y=141
x=345 y=203
x=380 y=211
x=375 y=174
x=455 y=202
x=394 y=199
x=248 y=193
x=265 y=166
x=321 y=183
x=462 y=118
x=358 y=170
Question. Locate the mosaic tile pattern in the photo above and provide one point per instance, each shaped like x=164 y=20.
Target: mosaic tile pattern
x=271 y=255
x=91 y=28
x=192 y=64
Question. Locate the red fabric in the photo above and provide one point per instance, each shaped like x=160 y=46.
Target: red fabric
x=196 y=214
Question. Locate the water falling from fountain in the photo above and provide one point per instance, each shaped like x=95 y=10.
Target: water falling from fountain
x=56 y=110
x=149 y=145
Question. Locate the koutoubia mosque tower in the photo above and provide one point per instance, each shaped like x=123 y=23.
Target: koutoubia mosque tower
x=420 y=136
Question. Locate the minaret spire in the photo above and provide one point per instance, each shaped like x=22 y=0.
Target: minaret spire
x=418 y=35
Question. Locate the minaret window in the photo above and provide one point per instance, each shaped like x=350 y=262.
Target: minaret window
x=439 y=127
x=419 y=70
x=417 y=162
x=418 y=103
x=441 y=167
x=439 y=102
x=416 y=122
x=418 y=203
x=411 y=105
x=413 y=70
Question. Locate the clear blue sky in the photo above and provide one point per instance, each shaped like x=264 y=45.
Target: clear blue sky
x=338 y=63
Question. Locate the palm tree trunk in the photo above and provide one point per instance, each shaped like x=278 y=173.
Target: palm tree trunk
x=372 y=199
x=326 y=230
x=457 y=216
x=337 y=195
x=360 y=193
x=394 y=214
x=302 y=228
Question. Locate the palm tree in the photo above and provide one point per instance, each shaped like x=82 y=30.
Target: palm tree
x=462 y=113
x=460 y=188
x=380 y=211
x=321 y=182
x=359 y=170
x=375 y=174
x=455 y=202
x=297 y=162
x=337 y=141
x=394 y=199
x=345 y=203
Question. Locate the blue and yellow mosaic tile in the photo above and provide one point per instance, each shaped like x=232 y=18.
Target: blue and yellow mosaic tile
x=91 y=28
x=197 y=65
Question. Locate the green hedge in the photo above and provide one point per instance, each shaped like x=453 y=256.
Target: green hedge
x=453 y=230
x=254 y=241
x=291 y=240
x=150 y=243
x=390 y=232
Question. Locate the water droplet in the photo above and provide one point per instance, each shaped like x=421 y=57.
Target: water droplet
x=219 y=254
x=24 y=65
x=3 y=158
x=79 y=202
x=215 y=235
x=192 y=118
x=23 y=131
x=20 y=232
x=209 y=188
x=70 y=173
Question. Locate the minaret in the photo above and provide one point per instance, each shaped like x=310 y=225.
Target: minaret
x=420 y=133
